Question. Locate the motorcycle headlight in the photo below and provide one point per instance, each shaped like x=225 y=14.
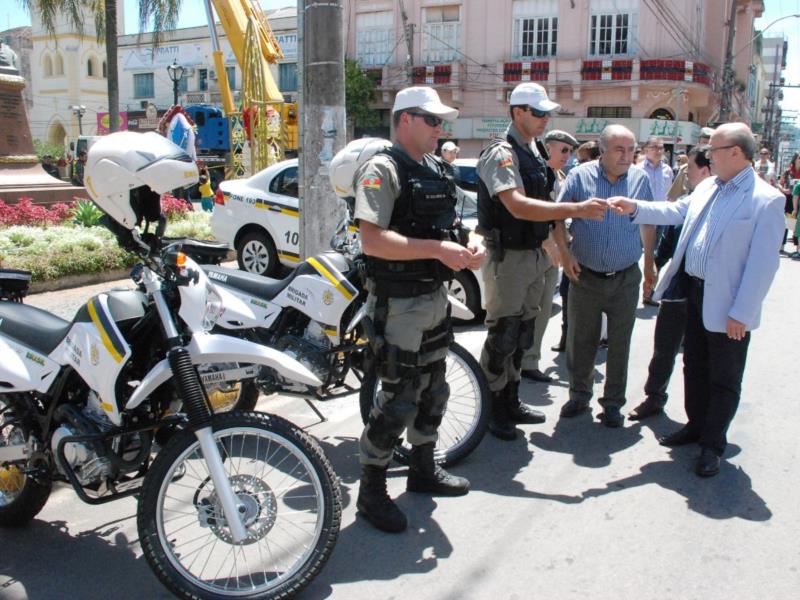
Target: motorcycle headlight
x=213 y=310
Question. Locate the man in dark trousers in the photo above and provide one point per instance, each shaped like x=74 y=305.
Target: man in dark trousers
x=671 y=320
x=725 y=262
x=602 y=263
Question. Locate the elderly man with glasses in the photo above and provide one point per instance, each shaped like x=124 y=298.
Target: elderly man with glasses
x=724 y=264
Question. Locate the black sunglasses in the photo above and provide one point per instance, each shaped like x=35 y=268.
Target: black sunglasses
x=430 y=120
x=566 y=149
x=539 y=114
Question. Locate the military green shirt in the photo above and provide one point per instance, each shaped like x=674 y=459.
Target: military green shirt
x=498 y=167
x=377 y=188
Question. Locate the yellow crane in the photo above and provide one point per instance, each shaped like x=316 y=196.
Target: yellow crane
x=272 y=122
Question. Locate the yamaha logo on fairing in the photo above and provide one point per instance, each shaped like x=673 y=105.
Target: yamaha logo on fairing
x=218 y=276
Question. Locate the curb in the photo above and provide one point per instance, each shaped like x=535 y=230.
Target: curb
x=74 y=281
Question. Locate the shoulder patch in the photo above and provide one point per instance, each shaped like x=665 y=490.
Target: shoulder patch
x=371 y=181
x=505 y=162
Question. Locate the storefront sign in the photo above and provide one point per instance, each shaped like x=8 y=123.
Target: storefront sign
x=103 y=123
x=489 y=127
x=686 y=131
x=288 y=44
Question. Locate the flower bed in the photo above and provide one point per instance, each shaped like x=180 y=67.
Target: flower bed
x=47 y=242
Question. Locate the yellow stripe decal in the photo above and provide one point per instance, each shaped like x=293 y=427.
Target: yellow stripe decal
x=103 y=333
x=290 y=257
x=290 y=212
x=329 y=276
x=107 y=407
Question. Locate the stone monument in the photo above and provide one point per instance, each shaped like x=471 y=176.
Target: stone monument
x=21 y=175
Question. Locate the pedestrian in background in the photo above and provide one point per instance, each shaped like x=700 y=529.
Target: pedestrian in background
x=602 y=263
x=725 y=262
x=206 y=193
x=585 y=152
x=560 y=146
x=765 y=167
x=660 y=176
x=671 y=319
x=449 y=152
x=679 y=186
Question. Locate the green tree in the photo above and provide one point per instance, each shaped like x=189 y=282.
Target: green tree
x=359 y=92
x=158 y=15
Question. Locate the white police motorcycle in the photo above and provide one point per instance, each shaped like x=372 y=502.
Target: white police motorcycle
x=235 y=504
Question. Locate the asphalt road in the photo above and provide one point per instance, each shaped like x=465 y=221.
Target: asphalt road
x=569 y=510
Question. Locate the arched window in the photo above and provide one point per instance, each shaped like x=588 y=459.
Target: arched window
x=48 y=66
x=662 y=113
x=105 y=71
x=90 y=67
x=58 y=67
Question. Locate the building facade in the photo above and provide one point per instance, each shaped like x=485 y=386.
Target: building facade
x=642 y=63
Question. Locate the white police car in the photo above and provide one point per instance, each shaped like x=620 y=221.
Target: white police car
x=258 y=217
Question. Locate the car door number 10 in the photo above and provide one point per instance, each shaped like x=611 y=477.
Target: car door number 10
x=292 y=238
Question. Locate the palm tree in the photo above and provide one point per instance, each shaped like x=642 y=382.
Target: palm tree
x=162 y=15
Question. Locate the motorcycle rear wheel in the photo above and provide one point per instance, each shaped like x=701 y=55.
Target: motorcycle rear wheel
x=21 y=497
x=293 y=503
x=467 y=416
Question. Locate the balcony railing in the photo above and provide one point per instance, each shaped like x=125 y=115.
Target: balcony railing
x=606 y=70
x=675 y=70
x=526 y=71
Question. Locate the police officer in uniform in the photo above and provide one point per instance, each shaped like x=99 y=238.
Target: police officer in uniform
x=413 y=243
x=515 y=211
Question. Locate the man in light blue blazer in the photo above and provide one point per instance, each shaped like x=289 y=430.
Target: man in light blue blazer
x=724 y=264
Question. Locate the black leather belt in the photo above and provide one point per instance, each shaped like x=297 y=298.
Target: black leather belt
x=695 y=281
x=602 y=274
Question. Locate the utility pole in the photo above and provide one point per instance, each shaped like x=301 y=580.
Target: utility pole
x=322 y=120
x=727 y=71
x=408 y=29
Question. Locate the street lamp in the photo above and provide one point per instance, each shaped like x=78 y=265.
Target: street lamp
x=79 y=110
x=175 y=74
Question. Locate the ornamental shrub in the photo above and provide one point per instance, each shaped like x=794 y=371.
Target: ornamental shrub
x=174 y=208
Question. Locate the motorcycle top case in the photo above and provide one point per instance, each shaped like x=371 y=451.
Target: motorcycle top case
x=14 y=284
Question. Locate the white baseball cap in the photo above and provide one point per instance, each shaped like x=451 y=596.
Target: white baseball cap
x=423 y=98
x=533 y=95
x=449 y=146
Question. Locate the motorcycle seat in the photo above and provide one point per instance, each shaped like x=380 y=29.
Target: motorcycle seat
x=36 y=328
x=264 y=287
x=250 y=283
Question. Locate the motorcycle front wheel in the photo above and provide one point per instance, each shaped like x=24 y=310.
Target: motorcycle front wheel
x=292 y=501
x=467 y=416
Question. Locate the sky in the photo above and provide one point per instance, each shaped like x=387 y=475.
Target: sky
x=13 y=15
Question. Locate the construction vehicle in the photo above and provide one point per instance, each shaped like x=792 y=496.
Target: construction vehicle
x=265 y=120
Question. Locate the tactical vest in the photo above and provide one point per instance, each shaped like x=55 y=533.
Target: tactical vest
x=496 y=223
x=425 y=209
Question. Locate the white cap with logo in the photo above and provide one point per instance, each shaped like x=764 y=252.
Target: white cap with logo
x=425 y=99
x=449 y=146
x=533 y=95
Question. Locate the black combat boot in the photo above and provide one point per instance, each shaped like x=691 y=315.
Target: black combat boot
x=499 y=424
x=426 y=477
x=518 y=412
x=374 y=503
